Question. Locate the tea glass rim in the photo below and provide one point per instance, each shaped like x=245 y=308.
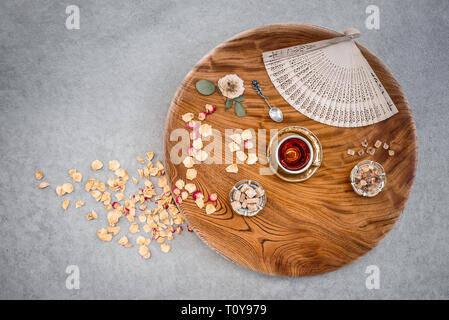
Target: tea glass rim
x=307 y=166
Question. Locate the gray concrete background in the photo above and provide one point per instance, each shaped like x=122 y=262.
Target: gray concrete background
x=102 y=92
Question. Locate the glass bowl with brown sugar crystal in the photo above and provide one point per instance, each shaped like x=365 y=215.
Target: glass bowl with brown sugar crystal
x=368 y=178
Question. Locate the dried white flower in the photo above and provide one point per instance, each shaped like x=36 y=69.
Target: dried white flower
x=231 y=86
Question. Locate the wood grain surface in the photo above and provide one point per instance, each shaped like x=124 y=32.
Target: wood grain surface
x=310 y=227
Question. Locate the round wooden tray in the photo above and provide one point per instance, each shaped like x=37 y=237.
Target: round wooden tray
x=305 y=228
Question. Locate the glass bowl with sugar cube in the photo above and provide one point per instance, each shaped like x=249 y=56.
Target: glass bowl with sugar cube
x=247 y=197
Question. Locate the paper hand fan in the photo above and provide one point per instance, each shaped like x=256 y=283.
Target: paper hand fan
x=330 y=81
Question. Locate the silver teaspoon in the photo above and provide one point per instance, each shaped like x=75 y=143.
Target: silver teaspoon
x=275 y=113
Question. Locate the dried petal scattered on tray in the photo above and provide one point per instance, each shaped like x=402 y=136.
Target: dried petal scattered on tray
x=92 y=215
x=241 y=156
x=210 y=208
x=180 y=184
x=120 y=172
x=198 y=194
x=96 y=195
x=201 y=155
x=67 y=187
x=248 y=144
x=144 y=251
x=142 y=218
x=213 y=197
x=77 y=177
x=237 y=138
x=142 y=241
x=247 y=134
x=79 y=203
x=202 y=116
x=162 y=182
x=123 y=241
x=101 y=187
x=190 y=150
x=161 y=222
x=190 y=187
x=197 y=144
x=188 y=162
x=210 y=108
x=104 y=235
x=205 y=130
x=200 y=202
x=59 y=191
x=165 y=247
x=134 y=228
x=38 y=175
x=192 y=124
x=65 y=204
x=191 y=174
x=252 y=158
x=43 y=185
x=96 y=165
x=114 y=216
x=114 y=165
x=233 y=146
x=152 y=172
x=113 y=230
x=147 y=228
x=187 y=117
x=232 y=168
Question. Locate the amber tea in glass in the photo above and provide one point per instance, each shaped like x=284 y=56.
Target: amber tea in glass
x=294 y=154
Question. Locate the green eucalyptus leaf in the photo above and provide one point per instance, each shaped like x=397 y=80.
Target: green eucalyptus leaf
x=228 y=104
x=239 y=109
x=240 y=98
x=205 y=87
